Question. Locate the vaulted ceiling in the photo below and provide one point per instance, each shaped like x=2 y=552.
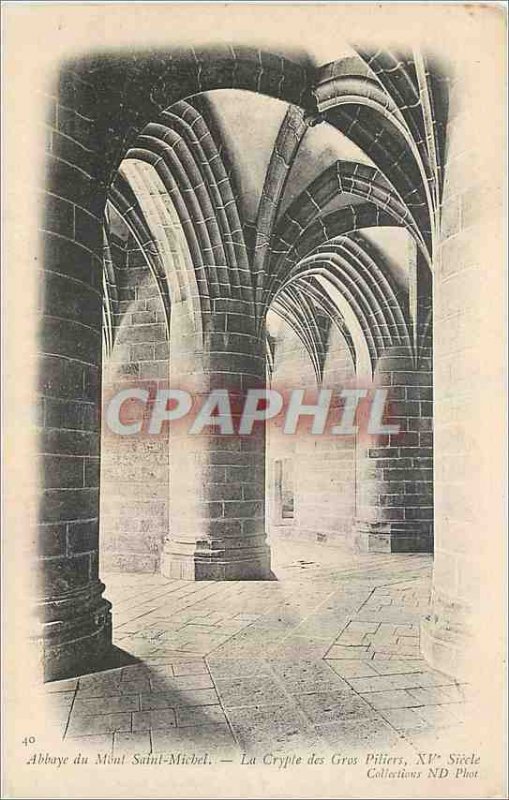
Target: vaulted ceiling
x=330 y=214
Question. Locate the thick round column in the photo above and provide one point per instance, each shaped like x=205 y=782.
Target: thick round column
x=74 y=617
x=461 y=635
x=395 y=472
x=217 y=481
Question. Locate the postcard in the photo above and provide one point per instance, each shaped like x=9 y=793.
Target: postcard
x=254 y=304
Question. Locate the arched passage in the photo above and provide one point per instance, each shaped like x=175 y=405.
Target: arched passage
x=310 y=479
x=225 y=272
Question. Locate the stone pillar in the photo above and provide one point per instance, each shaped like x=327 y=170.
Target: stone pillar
x=75 y=624
x=217 y=482
x=461 y=635
x=395 y=472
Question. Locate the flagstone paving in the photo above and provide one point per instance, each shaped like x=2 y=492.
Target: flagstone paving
x=326 y=656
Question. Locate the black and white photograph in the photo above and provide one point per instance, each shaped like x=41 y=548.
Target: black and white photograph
x=254 y=539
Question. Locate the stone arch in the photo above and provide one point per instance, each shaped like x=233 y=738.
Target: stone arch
x=397 y=113
x=315 y=346
x=147 y=104
x=100 y=105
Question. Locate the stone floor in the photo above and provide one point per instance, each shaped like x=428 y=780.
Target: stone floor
x=326 y=657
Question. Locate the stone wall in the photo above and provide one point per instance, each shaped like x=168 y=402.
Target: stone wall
x=395 y=472
x=323 y=467
x=134 y=469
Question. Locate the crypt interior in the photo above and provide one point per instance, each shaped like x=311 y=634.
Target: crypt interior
x=235 y=219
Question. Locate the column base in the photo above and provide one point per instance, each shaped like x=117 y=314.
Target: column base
x=446 y=639
x=209 y=561
x=76 y=633
x=393 y=537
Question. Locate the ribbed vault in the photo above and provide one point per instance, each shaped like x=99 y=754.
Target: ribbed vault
x=142 y=148
x=176 y=190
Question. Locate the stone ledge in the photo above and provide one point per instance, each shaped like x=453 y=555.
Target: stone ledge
x=231 y=566
x=397 y=537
